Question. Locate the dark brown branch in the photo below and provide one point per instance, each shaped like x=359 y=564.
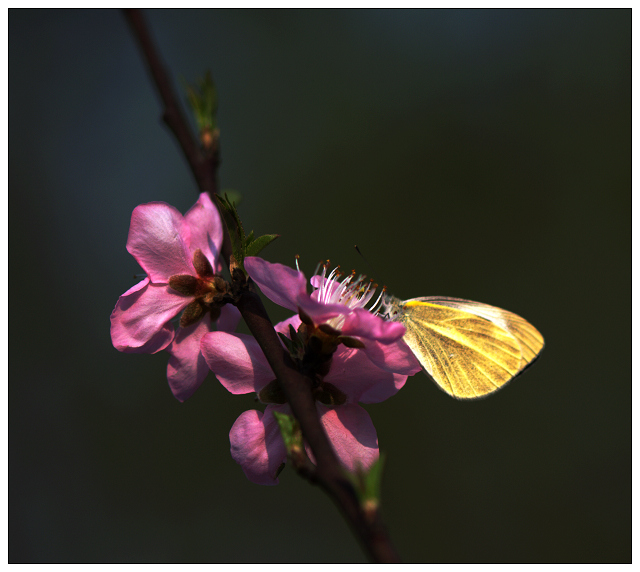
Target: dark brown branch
x=328 y=473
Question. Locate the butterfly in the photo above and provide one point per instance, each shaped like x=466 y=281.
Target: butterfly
x=468 y=348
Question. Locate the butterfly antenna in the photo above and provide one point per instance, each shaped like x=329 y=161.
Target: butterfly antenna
x=367 y=262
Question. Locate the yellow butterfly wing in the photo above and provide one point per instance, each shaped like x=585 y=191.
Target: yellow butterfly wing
x=469 y=349
x=531 y=340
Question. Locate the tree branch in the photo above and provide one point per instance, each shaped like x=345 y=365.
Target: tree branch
x=328 y=473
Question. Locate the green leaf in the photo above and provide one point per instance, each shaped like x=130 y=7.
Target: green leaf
x=233 y=196
x=287 y=343
x=203 y=99
x=241 y=244
x=255 y=246
x=290 y=431
x=373 y=479
x=233 y=211
x=368 y=484
x=236 y=232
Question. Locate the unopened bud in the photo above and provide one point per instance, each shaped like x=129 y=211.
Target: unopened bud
x=202 y=265
x=192 y=313
x=351 y=342
x=184 y=284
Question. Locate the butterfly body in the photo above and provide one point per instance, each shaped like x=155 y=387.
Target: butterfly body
x=468 y=348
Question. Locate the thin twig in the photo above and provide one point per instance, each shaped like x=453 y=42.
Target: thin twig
x=329 y=473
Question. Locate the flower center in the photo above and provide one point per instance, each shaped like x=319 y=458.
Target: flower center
x=207 y=289
x=352 y=292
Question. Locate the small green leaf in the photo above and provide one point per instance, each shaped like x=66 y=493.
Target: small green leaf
x=373 y=480
x=236 y=216
x=203 y=99
x=241 y=244
x=287 y=343
x=369 y=483
x=290 y=431
x=293 y=334
x=254 y=247
x=231 y=209
x=297 y=345
x=236 y=248
x=223 y=201
x=293 y=442
x=233 y=196
x=234 y=226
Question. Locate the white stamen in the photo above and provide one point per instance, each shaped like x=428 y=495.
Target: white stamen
x=351 y=292
x=379 y=303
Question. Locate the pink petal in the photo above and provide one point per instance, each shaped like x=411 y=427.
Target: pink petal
x=351 y=433
x=205 y=229
x=157 y=241
x=317 y=281
x=229 y=318
x=362 y=323
x=187 y=367
x=353 y=373
x=279 y=283
x=139 y=320
x=396 y=357
x=237 y=361
x=283 y=327
x=257 y=445
x=319 y=312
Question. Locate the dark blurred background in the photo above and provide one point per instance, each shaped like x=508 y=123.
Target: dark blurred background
x=483 y=154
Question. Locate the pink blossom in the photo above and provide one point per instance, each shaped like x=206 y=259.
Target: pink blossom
x=180 y=256
x=341 y=305
x=256 y=443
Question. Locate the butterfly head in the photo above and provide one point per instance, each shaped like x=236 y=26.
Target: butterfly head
x=391 y=309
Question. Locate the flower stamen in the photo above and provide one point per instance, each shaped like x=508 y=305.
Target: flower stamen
x=379 y=303
x=351 y=291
